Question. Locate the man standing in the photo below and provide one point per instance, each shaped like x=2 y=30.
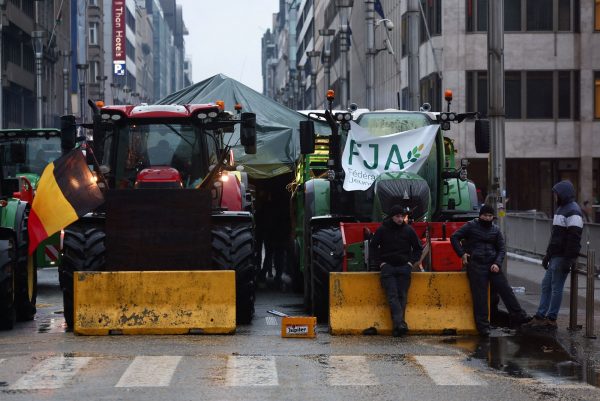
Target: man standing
x=561 y=254
x=480 y=244
x=396 y=248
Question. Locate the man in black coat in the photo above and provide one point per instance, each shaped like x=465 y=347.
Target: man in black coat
x=480 y=244
x=396 y=248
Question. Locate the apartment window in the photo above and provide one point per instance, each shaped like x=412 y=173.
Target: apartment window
x=534 y=94
x=597 y=94
x=432 y=14
x=527 y=15
x=404 y=34
x=597 y=15
x=431 y=91
x=94 y=71
x=93 y=34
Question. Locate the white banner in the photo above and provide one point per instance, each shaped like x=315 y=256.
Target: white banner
x=366 y=156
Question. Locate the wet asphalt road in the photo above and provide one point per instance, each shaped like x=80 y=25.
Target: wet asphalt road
x=39 y=360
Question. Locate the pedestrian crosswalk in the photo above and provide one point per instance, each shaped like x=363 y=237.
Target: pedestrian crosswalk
x=47 y=372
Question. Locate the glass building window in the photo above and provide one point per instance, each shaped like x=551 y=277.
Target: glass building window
x=512 y=94
x=93 y=33
x=539 y=94
x=431 y=91
x=432 y=10
x=528 y=15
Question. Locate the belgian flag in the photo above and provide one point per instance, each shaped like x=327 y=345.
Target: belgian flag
x=66 y=191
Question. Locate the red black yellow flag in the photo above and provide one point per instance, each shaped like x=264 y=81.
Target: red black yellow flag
x=66 y=191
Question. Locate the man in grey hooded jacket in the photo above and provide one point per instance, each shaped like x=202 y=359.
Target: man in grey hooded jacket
x=561 y=254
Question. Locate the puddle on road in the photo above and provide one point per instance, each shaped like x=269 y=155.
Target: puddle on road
x=538 y=357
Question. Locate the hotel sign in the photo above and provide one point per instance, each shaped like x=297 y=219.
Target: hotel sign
x=119 y=42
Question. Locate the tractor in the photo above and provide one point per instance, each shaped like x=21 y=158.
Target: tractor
x=332 y=224
x=24 y=154
x=174 y=199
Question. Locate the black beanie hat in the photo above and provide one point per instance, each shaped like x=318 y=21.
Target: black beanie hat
x=397 y=209
x=486 y=209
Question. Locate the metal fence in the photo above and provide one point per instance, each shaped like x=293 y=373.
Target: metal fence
x=531 y=234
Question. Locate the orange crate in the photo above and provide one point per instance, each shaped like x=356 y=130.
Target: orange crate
x=298 y=327
x=443 y=257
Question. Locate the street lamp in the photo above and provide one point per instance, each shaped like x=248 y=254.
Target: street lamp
x=344 y=7
x=37 y=40
x=82 y=79
x=115 y=89
x=101 y=79
x=66 y=64
x=314 y=59
x=327 y=34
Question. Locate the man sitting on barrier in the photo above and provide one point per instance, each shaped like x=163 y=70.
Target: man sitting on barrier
x=480 y=244
x=395 y=247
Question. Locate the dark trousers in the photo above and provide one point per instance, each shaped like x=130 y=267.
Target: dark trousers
x=479 y=278
x=395 y=281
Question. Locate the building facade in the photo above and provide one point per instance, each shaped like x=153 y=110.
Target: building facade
x=552 y=79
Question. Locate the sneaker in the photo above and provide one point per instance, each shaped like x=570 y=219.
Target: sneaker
x=536 y=321
x=551 y=324
x=399 y=331
x=484 y=332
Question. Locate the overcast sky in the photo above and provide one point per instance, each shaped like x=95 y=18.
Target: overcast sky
x=224 y=37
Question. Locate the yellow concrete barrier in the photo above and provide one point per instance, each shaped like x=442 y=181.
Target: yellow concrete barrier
x=154 y=302
x=438 y=302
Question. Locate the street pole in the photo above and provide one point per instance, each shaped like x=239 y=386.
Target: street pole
x=414 y=19
x=344 y=11
x=2 y=9
x=497 y=166
x=37 y=38
x=327 y=34
x=314 y=58
x=82 y=77
x=370 y=19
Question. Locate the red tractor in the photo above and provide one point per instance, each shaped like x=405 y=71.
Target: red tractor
x=173 y=198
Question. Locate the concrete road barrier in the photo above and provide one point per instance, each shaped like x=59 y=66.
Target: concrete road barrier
x=438 y=302
x=154 y=302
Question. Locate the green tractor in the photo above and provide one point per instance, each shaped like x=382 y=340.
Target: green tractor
x=438 y=192
x=24 y=155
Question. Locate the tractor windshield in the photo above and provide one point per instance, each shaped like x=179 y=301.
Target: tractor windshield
x=183 y=147
x=380 y=124
x=28 y=155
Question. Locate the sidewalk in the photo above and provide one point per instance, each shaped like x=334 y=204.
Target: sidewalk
x=525 y=272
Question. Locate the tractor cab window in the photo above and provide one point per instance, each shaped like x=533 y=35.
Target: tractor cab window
x=142 y=146
x=380 y=124
x=29 y=155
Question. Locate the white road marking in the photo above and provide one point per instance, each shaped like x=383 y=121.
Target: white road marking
x=52 y=373
x=149 y=371
x=251 y=371
x=448 y=371
x=347 y=370
x=271 y=321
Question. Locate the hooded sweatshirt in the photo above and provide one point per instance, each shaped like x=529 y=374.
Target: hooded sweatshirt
x=567 y=225
x=395 y=244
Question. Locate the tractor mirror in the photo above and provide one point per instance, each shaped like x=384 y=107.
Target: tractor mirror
x=17 y=153
x=68 y=133
x=307 y=137
x=482 y=136
x=248 y=132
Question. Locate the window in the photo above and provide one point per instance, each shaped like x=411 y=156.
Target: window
x=404 y=34
x=529 y=94
x=529 y=15
x=94 y=71
x=597 y=94
x=93 y=34
x=432 y=14
x=539 y=94
x=431 y=91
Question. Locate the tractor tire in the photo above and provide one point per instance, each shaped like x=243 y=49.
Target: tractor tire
x=26 y=274
x=7 y=284
x=83 y=250
x=327 y=253
x=233 y=249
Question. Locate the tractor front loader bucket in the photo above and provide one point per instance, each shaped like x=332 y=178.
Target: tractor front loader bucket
x=154 y=302
x=438 y=303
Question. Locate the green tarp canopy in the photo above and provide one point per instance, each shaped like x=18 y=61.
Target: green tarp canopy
x=277 y=127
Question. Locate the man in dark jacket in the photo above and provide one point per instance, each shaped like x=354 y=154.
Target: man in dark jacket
x=480 y=244
x=396 y=248
x=561 y=254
